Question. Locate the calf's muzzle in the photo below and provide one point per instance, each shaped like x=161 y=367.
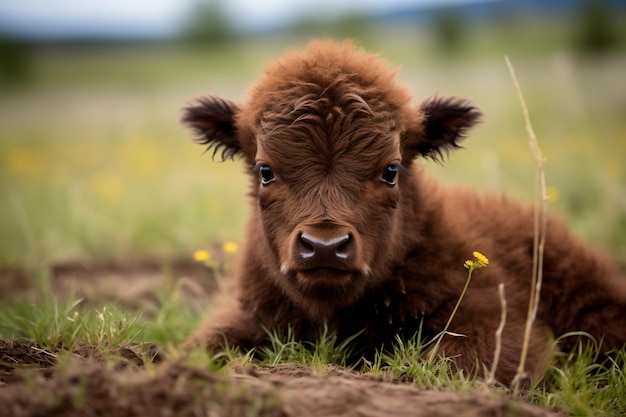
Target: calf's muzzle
x=325 y=246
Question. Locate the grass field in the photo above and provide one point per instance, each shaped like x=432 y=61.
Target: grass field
x=94 y=166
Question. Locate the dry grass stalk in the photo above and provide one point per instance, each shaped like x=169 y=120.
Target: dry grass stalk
x=540 y=225
x=496 y=353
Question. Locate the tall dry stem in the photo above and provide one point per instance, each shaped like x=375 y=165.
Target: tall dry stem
x=499 y=330
x=540 y=225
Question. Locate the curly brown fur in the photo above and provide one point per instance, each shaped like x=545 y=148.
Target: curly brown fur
x=345 y=230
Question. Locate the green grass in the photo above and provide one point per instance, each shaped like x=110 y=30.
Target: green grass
x=579 y=386
x=575 y=385
x=53 y=321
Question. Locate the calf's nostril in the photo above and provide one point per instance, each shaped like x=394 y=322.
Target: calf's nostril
x=306 y=246
x=344 y=247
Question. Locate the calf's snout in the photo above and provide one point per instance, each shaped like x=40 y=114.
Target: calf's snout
x=325 y=246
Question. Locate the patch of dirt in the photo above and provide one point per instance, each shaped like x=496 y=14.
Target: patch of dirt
x=127 y=283
x=86 y=387
x=33 y=384
x=24 y=356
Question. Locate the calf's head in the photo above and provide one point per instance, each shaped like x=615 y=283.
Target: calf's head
x=329 y=139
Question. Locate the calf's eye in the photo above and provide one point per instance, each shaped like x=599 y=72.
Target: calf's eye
x=267 y=175
x=389 y=174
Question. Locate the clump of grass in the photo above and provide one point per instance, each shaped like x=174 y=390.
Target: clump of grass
x=319 y=354
x=584 y=381
x=93 y=328
x=63 y=325
x=230 y=357
x=408 y=360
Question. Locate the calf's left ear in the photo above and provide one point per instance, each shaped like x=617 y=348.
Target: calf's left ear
x=446 y=121
x=213 y=120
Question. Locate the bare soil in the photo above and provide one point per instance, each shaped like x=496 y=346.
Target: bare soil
x=35 y=382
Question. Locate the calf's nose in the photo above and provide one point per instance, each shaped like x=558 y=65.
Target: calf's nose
x=337 y=251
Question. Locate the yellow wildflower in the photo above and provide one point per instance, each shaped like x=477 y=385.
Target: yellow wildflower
x=469 y=264
x=230 y=247
x=481 y=258
x=201 y=255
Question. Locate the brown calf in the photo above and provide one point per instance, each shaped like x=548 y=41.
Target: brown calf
x=346 y=231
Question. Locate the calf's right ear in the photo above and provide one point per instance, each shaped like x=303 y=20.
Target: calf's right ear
x=213 y=120
x=445 y=124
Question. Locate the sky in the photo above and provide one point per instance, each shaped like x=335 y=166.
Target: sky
x=162 y=18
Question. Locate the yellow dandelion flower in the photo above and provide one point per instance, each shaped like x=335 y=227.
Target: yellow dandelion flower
x=230 y=247
x=481 y=258
x=201 y=255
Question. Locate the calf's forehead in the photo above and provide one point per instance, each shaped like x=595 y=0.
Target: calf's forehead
x=323 y=136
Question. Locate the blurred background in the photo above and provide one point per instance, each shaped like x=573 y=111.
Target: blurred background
x=94 y=165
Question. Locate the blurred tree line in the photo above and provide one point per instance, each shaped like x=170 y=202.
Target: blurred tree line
x=209 y=24
x=595 y=27
x=15 y=63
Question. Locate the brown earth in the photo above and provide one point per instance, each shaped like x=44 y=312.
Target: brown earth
x=34 y=383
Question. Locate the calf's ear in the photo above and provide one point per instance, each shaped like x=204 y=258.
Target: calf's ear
x=446 y=121
x=213 y=120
